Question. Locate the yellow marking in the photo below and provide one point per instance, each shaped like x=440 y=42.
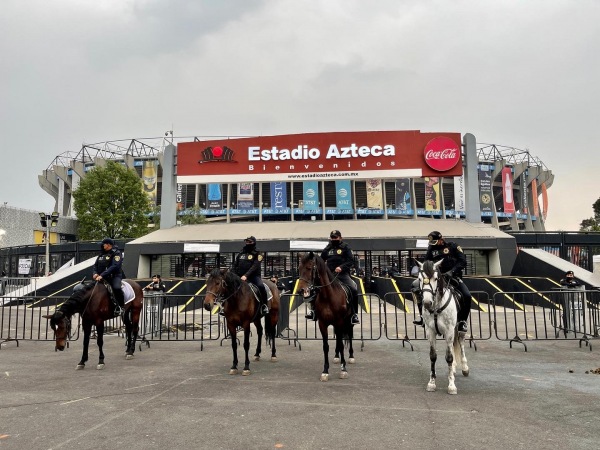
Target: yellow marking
x=215 y=309
x=400 y=296
x=362 y=290
x=191 y=299
x=482 y=308
x=518 y=305
x=293 y=292
x=541 y=295
x=54 y=293
x=174 y=286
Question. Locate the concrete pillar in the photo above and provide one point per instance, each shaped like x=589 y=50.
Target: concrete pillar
x=472 y=207
x=168 y=207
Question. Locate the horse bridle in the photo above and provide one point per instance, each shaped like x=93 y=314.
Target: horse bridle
x=427 y=287
x=219 y=297
x=312 y=286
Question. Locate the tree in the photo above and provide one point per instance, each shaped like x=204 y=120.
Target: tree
x=593 y=223
x=191 y=216
x=110 y=202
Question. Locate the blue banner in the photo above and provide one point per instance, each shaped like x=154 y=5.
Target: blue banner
x=278 y=195
x=215 y=200
x=343 y=194
x=310 y=195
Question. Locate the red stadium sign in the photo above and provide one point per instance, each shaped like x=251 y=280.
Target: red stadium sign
x=320 y=156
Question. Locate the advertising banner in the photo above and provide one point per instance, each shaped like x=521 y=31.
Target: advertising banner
x=215 y=199
x=279 y=196
x=374 y=194
x=343 y=195
x=179 y=197
x=322 y=156
x=432 y=194
x=150 y=179
x=485 y=190
x=402 y=200
x=544 y=200
x=459 y=194
x=310 y=196
x=245 y=195
x=525 y=190
x=534 y=198
x=507 y=190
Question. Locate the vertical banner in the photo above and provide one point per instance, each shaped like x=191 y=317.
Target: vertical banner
x=402 y=188
x=278 y=195
x=245 y=195
x=459 y=195
x=215 y=199
x=179 y=197
x=507 y=190
x=150 y=179
x=534 y=198
x=343 y=195
x=524 y=189
x=544 y=200
x=374 y=194
x=432 y=194
x=485 y=189
x=310 y=195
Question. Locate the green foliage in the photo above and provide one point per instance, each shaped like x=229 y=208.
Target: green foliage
x=593 y=223
x=110 y=202
x=191 y=216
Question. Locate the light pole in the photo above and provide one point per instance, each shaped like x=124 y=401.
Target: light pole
x=47 y=221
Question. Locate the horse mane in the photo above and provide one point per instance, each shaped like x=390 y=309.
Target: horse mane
x=71 y=305
x=232 y=280
x=428 y=268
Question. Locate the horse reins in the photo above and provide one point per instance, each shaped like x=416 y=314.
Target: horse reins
x=436 y=311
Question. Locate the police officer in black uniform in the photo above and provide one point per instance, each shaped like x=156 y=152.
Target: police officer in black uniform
x=338 y=256
x=247 y=266
x=454 y=262
x=108 y=267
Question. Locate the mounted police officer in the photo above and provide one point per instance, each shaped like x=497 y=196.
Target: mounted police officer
x=454 y=262
x=108 y=267
x=247 y=266
x=338 y=256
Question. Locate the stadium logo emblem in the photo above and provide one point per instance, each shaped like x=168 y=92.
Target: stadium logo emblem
x=442 y=154
x=217 y=154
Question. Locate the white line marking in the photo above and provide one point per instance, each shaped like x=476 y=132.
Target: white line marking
x=74 y=401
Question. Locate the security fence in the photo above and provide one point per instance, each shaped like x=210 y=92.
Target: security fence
x=514 y=317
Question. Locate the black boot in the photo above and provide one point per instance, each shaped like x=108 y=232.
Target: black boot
x=418 y=295
x=264 y=307
x=120 y=302
x=310 y=314
x=354 y=303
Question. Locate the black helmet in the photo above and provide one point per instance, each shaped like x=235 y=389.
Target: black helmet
x=434 y=237
x=250 y=240
x=108 y=241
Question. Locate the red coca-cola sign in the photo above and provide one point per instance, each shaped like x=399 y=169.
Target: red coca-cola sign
x=442 y=154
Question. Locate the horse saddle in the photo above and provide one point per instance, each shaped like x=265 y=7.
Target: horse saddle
x=256 y=291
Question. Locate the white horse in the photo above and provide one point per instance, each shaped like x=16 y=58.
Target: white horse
x=439 y=314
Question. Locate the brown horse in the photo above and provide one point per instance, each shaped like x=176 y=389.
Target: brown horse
x=93 y=303
x=241 y=308
x=331 y=307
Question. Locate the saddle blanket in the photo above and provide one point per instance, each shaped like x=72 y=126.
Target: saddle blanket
x=128 y=293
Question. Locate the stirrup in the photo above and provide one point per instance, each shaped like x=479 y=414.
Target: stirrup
x=119 y=310
x=264 y=310
x=419 y=322
x=222 y=311
x=354 y=320
x=310 y=315
x=462 y=326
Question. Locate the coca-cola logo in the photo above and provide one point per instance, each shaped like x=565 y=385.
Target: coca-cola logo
x=442 y=154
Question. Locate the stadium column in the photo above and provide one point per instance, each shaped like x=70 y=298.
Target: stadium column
x=473 y=210
x=168 y=206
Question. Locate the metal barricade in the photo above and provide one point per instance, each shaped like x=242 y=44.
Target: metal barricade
x=12 y=284
x=547 y=315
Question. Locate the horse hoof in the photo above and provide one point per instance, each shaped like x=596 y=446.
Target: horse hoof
x=233 y=372
x=273 y=358
x=343 y=375
x=452 y=391
x=351 y=360
x=324 y=377
x=466 y=372
x=100 y=367
x=257 y=358
x=336 y=360
x=129 y=356
x=431 y=387
x=80 y=367
x=245 y=372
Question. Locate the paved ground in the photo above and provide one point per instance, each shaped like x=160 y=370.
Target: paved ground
x=173 y=395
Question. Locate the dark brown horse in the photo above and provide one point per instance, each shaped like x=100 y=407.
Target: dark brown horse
x=331 y=307
x=242 y=309
x=91 y=300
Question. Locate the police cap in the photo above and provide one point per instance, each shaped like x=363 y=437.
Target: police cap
x=108 y=241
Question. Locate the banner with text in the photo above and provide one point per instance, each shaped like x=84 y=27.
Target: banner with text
x=374 y=194
x=485 y=190
x=460 y=204
x=150 y=179
x=245 y=196
x=343 y=195
x=215 y=199
x=507 y=190
x=310 y=196
x=278 y=195
x=432 y=194
x=403 y=195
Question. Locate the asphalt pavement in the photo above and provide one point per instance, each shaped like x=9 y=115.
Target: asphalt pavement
x=173 y=395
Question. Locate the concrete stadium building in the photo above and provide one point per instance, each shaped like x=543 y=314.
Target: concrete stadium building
x=289 y=191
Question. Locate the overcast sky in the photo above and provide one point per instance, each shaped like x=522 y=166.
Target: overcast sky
x=524 y=74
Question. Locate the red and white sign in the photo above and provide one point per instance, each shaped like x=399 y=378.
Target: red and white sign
x=507 y=190
x=320 y=156
x=442 y=154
